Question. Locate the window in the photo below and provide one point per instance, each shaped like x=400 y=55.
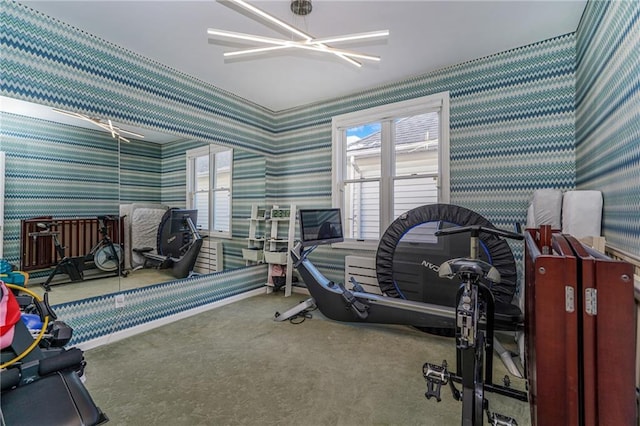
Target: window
x=388 y=160
x=209 y=175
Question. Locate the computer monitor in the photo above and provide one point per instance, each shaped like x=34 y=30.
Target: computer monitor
x=320 y=226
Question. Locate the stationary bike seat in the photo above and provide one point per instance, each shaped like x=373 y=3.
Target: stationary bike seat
x=474 y=267
x=507 y=316
x=143 y=249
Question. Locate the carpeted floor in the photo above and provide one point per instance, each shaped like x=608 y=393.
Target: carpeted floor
x=236 y=366
x=70 y=291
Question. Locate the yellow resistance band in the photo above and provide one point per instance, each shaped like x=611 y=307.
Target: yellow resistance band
x=42 y=331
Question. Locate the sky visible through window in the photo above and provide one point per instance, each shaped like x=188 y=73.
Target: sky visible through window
x=359 y=132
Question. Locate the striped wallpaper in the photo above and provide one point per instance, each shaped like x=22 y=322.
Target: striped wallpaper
x=141 y=171
x=51 y=63
x=56 y=170
x=98 y=317
x=512 y=130
x=559 y=113
x=59 y=170
x=608 y=116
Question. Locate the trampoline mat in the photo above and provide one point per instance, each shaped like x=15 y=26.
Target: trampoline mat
x=409 y=255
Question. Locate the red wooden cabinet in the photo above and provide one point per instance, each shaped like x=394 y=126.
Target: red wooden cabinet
x=580 y=335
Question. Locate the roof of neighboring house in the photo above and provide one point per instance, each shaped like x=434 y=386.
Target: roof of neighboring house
x=417 y=128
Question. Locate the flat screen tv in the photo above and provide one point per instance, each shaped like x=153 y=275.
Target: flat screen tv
x=320 y=226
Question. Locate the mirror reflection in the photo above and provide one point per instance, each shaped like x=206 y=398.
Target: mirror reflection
x=76 y=198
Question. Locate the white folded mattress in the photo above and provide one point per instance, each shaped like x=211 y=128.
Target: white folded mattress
x=545 y=208
x=582 y=213
x=141 y=225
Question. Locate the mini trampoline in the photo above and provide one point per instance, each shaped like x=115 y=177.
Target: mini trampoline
x=409 y=256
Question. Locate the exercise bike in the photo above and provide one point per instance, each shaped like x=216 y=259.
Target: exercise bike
x=475 y=309
x=473 y=315
x=104 y=255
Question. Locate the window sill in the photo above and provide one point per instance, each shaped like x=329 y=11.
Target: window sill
x=216 y=235
x=357 y=245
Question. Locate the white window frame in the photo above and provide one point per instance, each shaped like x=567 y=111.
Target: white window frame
x=211 y=151
x=437 y=102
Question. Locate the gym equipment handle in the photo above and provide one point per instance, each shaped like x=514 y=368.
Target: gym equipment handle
x=475 y=231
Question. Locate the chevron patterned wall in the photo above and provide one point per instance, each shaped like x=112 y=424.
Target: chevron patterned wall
x=141 y=172
x=51 y=63
x=608 y=116
x=249 y=188
x=56 y=170
x=98 y=317
x=512 y=131
x=61 y=170
x=512 y=114
x=66 y=171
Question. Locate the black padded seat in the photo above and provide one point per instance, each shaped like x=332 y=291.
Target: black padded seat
x=57 y=399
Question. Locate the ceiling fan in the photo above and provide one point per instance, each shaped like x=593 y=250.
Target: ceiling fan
x=103 y=124
x=305 y=41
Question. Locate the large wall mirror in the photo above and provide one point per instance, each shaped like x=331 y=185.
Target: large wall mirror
x=59 y=167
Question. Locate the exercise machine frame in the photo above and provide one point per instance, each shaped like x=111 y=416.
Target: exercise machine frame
x=104 y=255
x=474 y=342
x=338 y=303
x=183 y=264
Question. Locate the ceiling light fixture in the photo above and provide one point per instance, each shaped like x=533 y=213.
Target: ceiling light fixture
x=284 y=44
x=301 y=7
x=108 y=125
x=308 y=42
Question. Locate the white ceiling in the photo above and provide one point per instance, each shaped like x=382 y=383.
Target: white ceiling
x=425 y=36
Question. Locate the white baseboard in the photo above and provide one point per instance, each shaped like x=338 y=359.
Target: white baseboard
x=123 y=334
